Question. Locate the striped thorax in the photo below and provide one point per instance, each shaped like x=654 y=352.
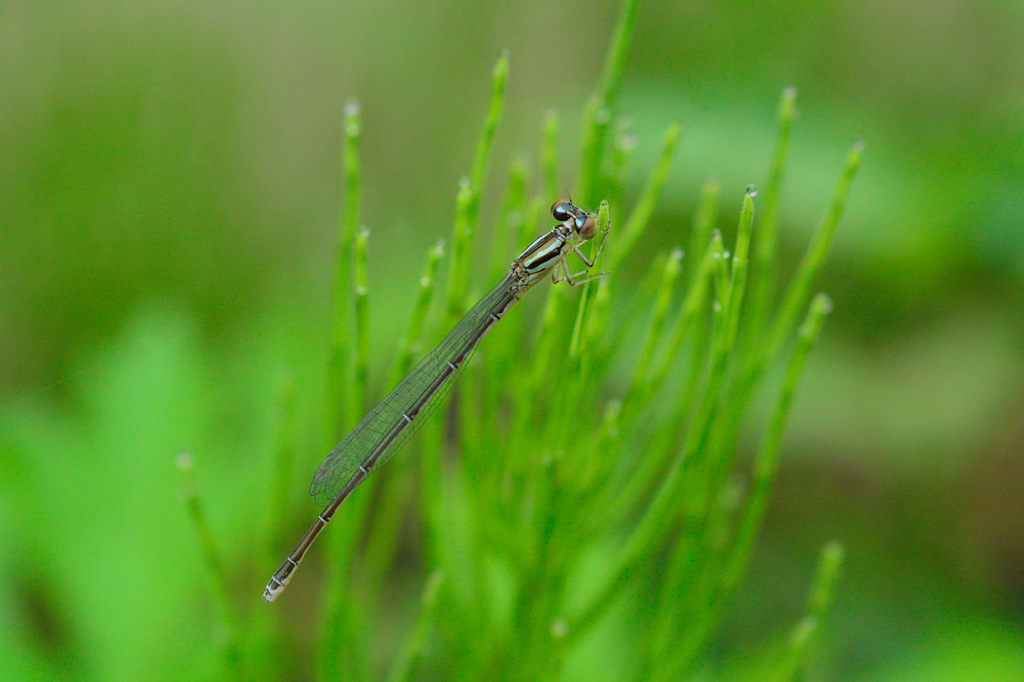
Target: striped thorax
x=540 y=257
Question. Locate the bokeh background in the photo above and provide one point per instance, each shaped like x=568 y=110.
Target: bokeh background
x=169 y=192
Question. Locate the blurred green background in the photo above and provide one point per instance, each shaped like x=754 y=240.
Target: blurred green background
x=169 y=192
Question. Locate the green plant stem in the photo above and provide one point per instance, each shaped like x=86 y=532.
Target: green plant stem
x=722 y=291
x=410 y=345
x=698 y=491
x=500 y=358
x=468 y=201
x=802 y=637
x=611 y=340
x=597 y=321
x=767 y=459
x=341 y=654
x=704 y=220
x=485 y=143
x=347 y=395
x=361 y=377
x=595 y=469
x=615 y=58
x=462 y=245
x=814 y=258
x=765 y=275
x=643 y=542
x=513 y=213
x=623 y=146
x=640 y=218
x=530 y=399
x=738 y=281
x=685 y=321
x=688 y=637
x=662 y=302
x=766 y=350
x=819 y=597
x=652 y=467
x=599 y=111
x=339 y=414
x=603 y=221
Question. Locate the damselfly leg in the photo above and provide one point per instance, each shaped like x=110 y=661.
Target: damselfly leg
x=569 y=277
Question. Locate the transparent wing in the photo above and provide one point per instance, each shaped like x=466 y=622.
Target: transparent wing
x=385 y=428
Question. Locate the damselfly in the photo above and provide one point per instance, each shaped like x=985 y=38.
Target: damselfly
x=387 y=427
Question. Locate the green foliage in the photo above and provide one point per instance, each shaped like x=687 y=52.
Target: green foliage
x=546 y=503
x=562 y=514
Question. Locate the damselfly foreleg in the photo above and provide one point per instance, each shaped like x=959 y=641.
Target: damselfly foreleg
x=590 y=261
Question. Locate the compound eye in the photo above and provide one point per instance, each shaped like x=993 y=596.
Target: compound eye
x=588 y=229
x=561 y=210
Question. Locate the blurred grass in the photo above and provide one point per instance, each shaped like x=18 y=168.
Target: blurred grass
x=171 y=172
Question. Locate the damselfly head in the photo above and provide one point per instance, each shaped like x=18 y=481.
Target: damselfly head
x=583 y=224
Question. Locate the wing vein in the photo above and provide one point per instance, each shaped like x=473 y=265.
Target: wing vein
x=390 y=424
